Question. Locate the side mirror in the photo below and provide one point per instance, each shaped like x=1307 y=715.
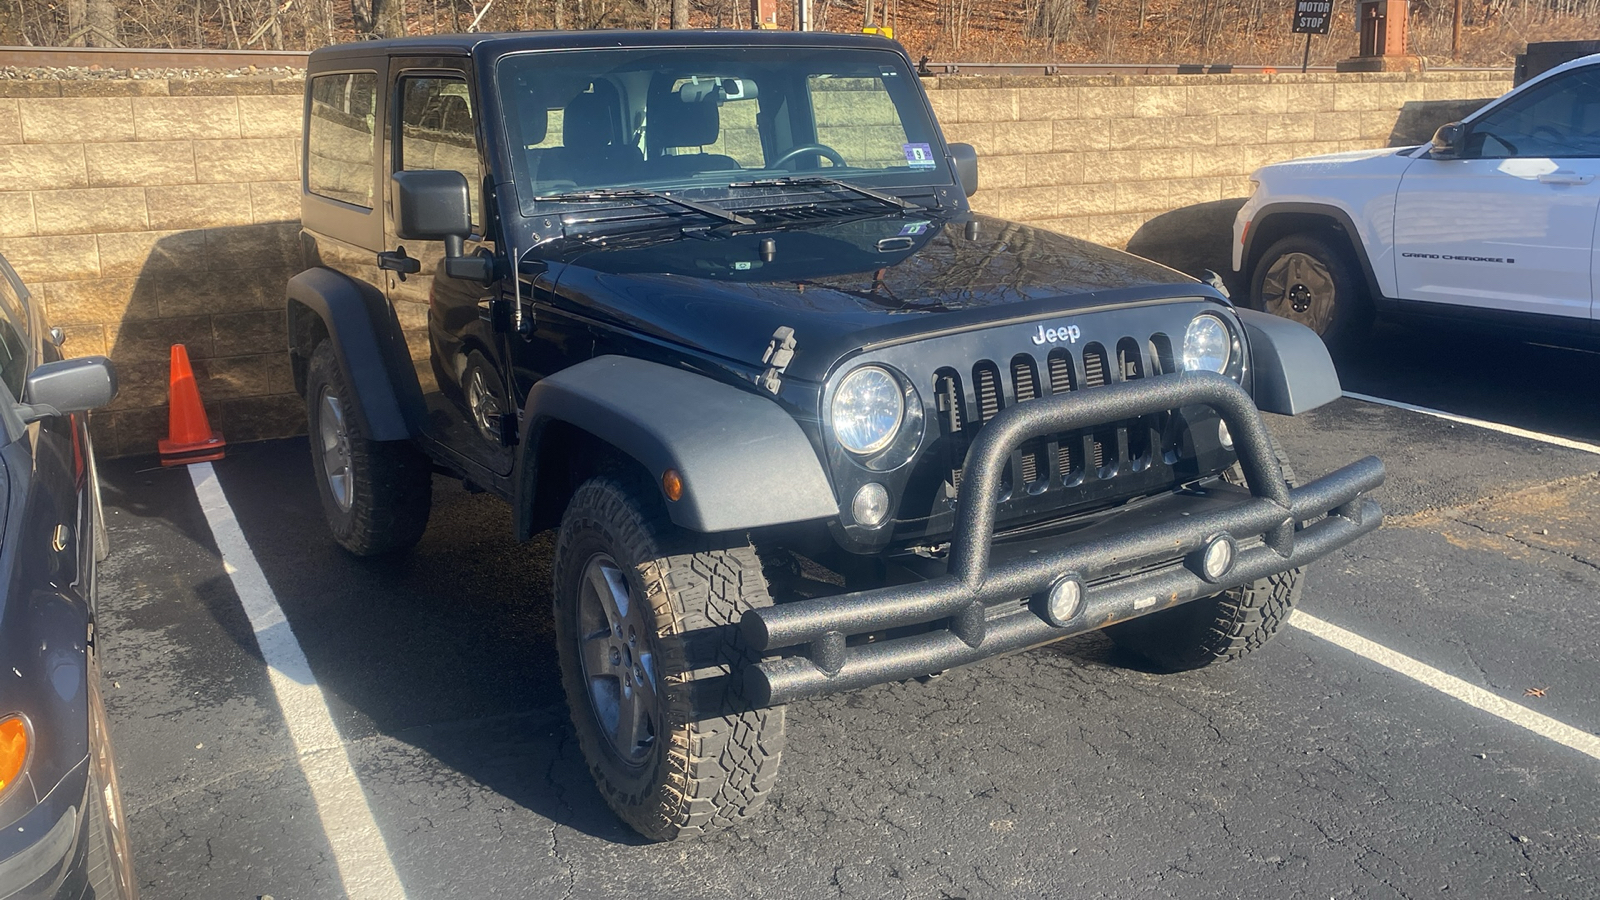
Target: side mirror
x=69 y=386
x=966 y=159
x=433 y=205
x=1447 y=141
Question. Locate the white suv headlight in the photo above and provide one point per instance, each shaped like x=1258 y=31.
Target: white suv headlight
x=1207 y=345
x=867 y=410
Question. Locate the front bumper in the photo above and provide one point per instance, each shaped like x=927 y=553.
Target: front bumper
x=43 y=855
x=983 y=607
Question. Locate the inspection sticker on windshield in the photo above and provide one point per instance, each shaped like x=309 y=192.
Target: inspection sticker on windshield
x=919 y=156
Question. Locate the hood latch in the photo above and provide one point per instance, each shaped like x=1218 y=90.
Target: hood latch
x=779 y=351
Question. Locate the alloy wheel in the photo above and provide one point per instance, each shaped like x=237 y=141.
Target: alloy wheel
x=1298 y=286
x=618 y=666
x=335 y=442
x=484 y=406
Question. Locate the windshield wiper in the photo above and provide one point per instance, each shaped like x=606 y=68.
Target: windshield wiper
x=824 y=181
x=705 y=209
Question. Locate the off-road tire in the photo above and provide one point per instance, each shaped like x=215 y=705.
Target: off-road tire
x=1352 y=309
x=110 y=853
x=391 y=484
x=714 y=759
x=1220 y=628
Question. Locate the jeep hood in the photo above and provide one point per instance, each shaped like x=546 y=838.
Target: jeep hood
x=846 y=285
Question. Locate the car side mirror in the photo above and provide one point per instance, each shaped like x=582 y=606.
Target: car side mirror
x=433 y=205
x=1447 y=141
x=966 y=159
x=69 y=386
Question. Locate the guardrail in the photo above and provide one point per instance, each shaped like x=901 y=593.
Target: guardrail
x=128 y=58
x=136 y=58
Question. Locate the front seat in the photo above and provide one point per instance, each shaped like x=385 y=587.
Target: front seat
x=592 y=151
x=676 y=125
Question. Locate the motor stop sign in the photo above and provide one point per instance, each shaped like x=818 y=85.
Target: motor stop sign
x=1312 y=16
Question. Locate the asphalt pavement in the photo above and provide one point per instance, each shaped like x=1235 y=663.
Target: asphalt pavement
x=1067 y=771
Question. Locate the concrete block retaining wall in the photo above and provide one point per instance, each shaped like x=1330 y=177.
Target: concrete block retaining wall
x=1098 y=157
x=153 y=211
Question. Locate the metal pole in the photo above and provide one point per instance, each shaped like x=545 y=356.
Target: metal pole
x=1305 y=61
x=802 y=15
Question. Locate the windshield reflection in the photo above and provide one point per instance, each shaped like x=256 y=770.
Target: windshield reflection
x=705 y=117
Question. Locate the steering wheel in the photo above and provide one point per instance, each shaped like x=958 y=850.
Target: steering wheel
x=831 y=154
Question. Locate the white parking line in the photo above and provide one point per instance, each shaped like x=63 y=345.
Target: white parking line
x=1569 y=443
x=363 y=858
x=1449 y=685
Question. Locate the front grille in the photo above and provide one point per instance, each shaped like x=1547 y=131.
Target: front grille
x=1060 y=461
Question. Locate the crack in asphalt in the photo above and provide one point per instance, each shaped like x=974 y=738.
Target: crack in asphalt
x=559 y=788
x=151 y=805
x=1520 y=542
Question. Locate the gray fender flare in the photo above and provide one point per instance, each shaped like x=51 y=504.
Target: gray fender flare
x=745 y=463
x=1290 y=370
x=370 y=348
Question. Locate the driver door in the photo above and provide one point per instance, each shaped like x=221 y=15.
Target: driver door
x=1510 y=225
x=446 y=320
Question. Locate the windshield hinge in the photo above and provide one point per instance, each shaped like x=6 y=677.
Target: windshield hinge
x=779 y=351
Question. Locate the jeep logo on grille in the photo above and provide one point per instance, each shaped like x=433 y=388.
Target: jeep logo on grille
x=1068 y=333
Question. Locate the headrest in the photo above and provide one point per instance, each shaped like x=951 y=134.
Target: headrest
x=678 y=124
x=533 y=120
x=587 y=122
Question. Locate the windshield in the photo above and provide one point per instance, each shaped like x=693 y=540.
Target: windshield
x=708 y=117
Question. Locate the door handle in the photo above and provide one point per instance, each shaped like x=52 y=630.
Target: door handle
x=398 y=262
x=1564 y=178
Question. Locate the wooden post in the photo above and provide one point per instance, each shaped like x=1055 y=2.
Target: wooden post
x=1455 y=34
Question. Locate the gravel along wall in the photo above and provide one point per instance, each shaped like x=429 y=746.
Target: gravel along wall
x=152 y=210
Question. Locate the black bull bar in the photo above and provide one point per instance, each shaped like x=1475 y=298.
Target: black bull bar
x=1126 y=574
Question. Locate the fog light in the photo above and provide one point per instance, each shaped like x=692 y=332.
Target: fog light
x=1218 y=558
x=1065 y=600
x=871 y=505
x=1224 y=435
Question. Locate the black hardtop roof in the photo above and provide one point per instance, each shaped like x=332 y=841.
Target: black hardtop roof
x=507 y=42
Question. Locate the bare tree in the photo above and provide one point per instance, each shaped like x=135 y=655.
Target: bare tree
x=680 y=13
x=1050 y=19
x=77 y=23
x=381 y=18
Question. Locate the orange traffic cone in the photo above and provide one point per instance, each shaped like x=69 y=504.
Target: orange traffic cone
x=189 y=436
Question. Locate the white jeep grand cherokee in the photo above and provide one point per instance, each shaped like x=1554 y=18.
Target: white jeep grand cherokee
x=1493 y=221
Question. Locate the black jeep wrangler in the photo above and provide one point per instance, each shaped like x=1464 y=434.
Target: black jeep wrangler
x=715 y=307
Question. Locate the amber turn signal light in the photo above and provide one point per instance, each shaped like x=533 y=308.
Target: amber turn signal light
x=672 y=484
x=13 y=749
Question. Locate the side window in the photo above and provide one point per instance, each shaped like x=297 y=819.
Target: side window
x=1557 y=119
x=857 y=117
x=339 y=140
x=436 y=130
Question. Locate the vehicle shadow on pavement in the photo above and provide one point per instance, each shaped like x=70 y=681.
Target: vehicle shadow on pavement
x=447 y=649
x=1508 y=379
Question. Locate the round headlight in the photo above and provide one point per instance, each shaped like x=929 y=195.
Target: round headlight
x=1207 y=345
x=868 y=408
